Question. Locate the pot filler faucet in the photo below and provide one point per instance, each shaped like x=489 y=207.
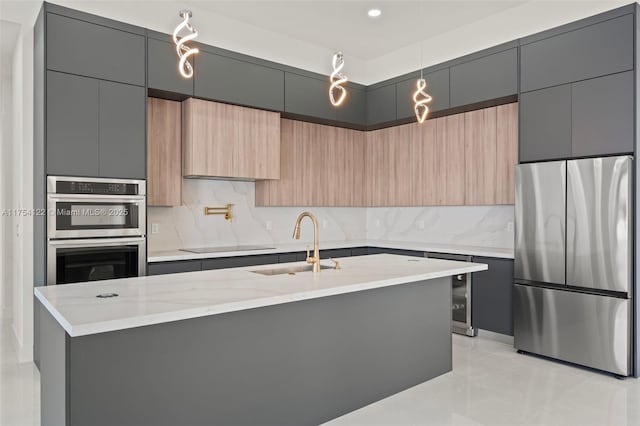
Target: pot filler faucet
x=315 y=259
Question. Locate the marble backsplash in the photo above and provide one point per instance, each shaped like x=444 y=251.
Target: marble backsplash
x=187 y=226
x=483 y=226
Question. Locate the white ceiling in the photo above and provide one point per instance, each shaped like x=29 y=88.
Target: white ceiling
x=344 y=25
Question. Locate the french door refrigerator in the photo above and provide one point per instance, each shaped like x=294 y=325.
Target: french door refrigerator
x=573 y=264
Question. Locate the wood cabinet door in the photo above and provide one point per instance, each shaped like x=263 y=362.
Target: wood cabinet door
x=423 y=163
x=230 y=141
x=450 y=147
x=164 y=153
x=506 y=152
x=480 y=156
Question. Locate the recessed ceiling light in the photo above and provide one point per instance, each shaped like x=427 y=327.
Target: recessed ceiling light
x=374 y=13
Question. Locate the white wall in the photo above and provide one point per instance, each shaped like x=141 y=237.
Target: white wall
x=6 y=134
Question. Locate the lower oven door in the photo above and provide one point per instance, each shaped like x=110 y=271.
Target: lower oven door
x=72 y=261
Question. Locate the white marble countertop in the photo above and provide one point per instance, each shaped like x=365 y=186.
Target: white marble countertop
x=173 y=255
x=165 y=298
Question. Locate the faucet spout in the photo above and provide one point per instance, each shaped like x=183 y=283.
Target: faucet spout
x=315 y=259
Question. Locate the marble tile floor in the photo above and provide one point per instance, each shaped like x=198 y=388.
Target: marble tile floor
x=19 y=384
x=493 y=385
x=490 y=385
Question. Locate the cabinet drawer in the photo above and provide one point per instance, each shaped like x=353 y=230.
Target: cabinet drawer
x=82 y=48
x=160 y=268
x=596 y=50
x=239 y=261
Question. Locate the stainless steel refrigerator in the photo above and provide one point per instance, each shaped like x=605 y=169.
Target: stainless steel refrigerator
x=573 y=264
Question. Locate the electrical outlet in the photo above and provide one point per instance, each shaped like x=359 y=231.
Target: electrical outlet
x=155 y=228
x=268 y=225
x=510 y=226
x=421 y=224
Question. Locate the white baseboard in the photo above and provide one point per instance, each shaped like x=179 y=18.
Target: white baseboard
x=502 y=338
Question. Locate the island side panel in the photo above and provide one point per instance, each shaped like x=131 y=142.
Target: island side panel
x=53 y=370
x=300 y=363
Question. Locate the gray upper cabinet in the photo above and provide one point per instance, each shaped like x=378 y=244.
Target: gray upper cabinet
x=94 y=127
x=545 y=124
x=592 y=51
x=72 y=127
x=490 y=77
x=354 y=109
x=437 y=88
x=92 y=50
x=220 y=78
x=381 y=104
x=309 y=96
x=602 y=118
x=122 y=131
x=162 y=71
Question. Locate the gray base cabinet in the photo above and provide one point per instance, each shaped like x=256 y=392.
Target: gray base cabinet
x=492 y=296
x=300 y=363
x=94 y=127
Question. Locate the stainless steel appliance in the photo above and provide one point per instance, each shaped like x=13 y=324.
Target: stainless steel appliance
x=460 y=296
x=573 y=261
x=95 y=229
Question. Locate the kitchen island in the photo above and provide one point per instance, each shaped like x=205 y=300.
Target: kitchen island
x=239 y=347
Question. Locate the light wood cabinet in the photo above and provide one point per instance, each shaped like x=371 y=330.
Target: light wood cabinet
x=164 y=153
x=480 y=156
x=506 y=153
x=320 y=166
x=450 y=158
x=221 y=140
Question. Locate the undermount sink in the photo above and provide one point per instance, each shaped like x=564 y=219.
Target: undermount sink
x=291 y=270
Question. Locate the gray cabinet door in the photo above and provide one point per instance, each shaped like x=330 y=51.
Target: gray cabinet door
x=485 y=78
x=92 y=50
x=122 y=131
x=354 y=109
x=239 y=261
x=309 y=97
x=160 y=268
x=602 y=116
x=381 y=104
x=437 y=88
x=162 y=69
x=220 y=78
x=545 y=124
x=596 y=50
x=72 y=127
x=492 y=296
x=335 y=253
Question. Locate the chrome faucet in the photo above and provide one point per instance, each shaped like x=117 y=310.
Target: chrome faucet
x=315 y=259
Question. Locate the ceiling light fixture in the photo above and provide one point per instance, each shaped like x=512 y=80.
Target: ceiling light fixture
x=184 y=52
x=420 y=97
x=374 y=13
x=337 y=79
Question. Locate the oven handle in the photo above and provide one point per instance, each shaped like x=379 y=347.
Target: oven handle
x=88 y=197
x=102 y=242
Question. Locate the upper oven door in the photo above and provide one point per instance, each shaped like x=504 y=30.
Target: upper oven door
x=85 y=216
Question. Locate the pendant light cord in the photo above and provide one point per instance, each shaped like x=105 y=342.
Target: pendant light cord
x=421 y=42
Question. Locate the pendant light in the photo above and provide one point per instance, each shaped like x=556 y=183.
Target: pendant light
x=337 y=79
x=184 y=52
x=420 y=97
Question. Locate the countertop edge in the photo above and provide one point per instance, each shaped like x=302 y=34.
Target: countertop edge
x=498 y=253
x=123 y=324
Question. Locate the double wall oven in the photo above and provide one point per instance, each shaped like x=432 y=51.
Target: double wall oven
x=95 y=229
